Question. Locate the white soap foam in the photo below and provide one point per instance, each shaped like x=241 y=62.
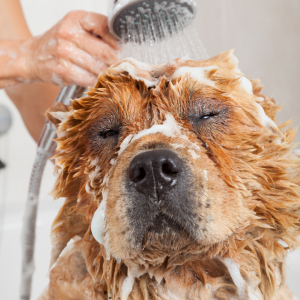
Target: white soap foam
x=126 y=66
x=88 y=188
x=254 y=292
x=234 y=271
x=131 y=69
x=125 y=143
x=169 y=128
x=197 y=73
x=89 y=20
x=127 y=287
x=133 y=272
x=9 y=53
x=246 y=84
x=94 y=174
x=57 y=80
x=264 y=119
x=177 y=146
x=193 y=154
x=52 y=42
x=94 y=162
x=99 y=219
x=99 y=226
x=61 y=115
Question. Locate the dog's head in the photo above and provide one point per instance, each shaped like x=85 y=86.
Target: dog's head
x=173 y=164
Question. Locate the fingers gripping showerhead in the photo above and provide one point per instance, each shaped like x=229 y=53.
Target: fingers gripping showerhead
x=160 y=17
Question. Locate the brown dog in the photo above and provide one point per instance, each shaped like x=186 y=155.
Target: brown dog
x=178 y=185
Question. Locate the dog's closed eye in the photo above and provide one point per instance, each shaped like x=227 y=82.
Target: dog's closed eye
x=108 y=133
x=104 y=134
x=208 y=116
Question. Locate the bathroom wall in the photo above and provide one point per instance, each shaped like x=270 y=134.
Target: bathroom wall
x=266 y=38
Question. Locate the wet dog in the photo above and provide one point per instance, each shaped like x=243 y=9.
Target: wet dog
x=178 y=185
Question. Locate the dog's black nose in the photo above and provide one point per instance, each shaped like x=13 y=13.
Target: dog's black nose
x=155 y=172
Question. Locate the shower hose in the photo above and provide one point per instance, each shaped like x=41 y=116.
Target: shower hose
x=45 y=149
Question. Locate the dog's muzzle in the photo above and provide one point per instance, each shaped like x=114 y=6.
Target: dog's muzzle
x=160 y=195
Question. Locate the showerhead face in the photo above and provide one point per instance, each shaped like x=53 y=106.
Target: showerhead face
x=162 y=17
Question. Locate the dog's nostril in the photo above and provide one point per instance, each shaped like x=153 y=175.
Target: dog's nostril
x=136 y=173
x=141 y=174
x=168 y=169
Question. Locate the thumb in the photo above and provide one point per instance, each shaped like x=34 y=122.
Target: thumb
x=97 y=24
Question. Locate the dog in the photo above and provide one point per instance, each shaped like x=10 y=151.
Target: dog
x=178 y=185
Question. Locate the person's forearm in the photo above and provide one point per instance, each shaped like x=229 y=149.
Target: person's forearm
x=31 y=99
x=12 y=63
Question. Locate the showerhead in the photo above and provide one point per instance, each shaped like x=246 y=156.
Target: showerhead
x=160 y=16
x=156 y=31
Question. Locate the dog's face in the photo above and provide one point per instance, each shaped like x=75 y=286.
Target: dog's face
x=163 y=160
x=163 y=190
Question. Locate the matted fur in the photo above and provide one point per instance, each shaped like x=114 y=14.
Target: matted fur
x=252 y=207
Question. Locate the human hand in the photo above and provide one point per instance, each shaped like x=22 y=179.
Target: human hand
x=74 y=51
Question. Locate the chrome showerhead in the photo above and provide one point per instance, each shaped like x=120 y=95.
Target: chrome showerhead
x=162 y=17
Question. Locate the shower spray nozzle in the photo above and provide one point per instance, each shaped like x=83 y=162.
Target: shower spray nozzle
x=162 y=17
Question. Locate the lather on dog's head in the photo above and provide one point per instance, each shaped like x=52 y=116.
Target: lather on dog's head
x=177 y=175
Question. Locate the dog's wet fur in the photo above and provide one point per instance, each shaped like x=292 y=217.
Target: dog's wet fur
x=204 y=207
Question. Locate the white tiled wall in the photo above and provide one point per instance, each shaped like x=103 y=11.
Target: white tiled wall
x=266 y=36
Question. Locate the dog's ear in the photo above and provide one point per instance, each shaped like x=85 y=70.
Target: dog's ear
x=70 y=221
x=57 y=113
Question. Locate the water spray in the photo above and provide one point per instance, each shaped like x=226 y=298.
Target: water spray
x=150 y=31
x=156 y=31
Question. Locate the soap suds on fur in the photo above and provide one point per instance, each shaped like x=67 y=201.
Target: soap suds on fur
x=131 y=69
x=125 y=143
x=127 y=286
x=246 y=84
x=193 y=154
x=99 y=219
x=60 y=115
x=234 y=271
x=169 y=128
x=197 y=73
x=264 y=119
